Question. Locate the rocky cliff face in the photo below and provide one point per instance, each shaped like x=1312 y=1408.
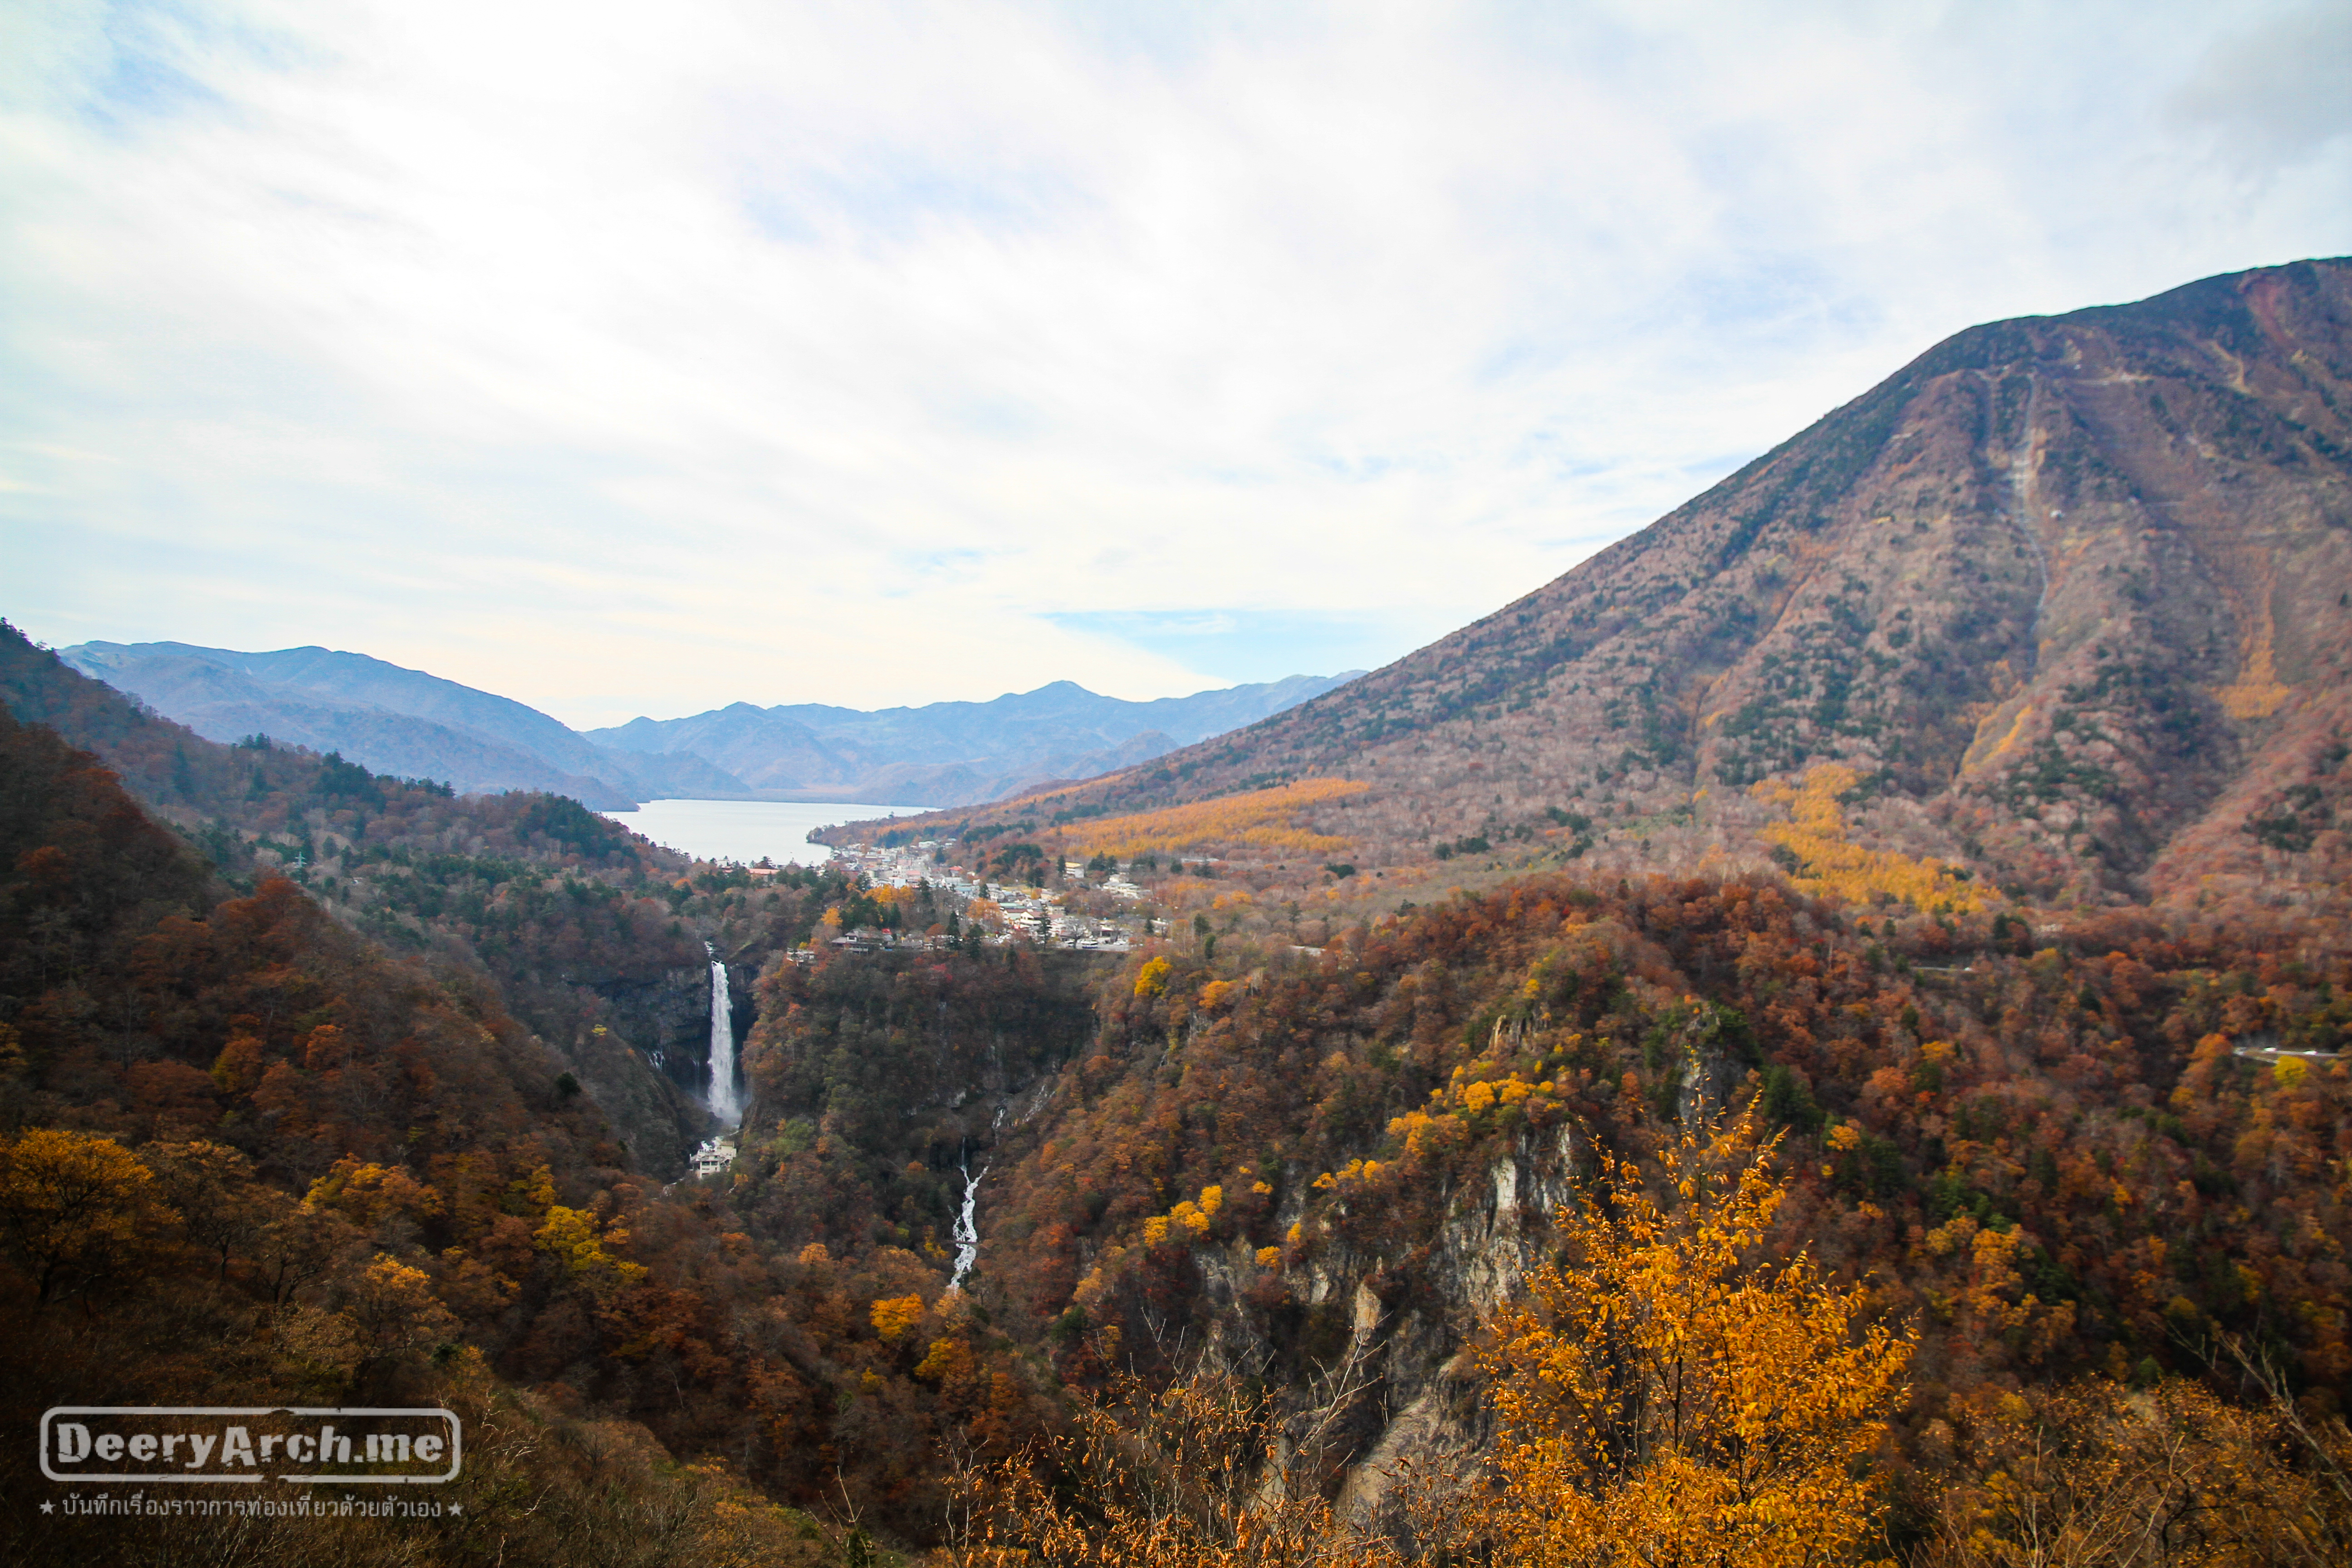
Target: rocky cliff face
x=660 y=1120
x=1406 y=1324
x=664 y=1023
x=639 y=1044
x=1395 y=1335
x=642 y=1046
x=667 y=1017
x=2071 y=596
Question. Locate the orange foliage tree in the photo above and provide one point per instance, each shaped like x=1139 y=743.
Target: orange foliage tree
x=1667 y=1395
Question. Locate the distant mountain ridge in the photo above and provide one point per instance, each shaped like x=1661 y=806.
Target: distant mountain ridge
x=2064 y=604
x=407 y=722
x=388 y=719
x=956 y=753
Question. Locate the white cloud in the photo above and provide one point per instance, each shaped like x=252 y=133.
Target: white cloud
x=633 y=360
x=2280 y=90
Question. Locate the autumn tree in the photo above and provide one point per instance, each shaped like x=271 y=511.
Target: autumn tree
x=75 y=1208
x=2166 y=1477
x=1671 y=1395
x=391 y=1309
x=222 y=1208
x=1193 y=1473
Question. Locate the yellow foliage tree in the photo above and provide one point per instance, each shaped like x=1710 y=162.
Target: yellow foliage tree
x=573 y=1236
x=531 y=1195
x=1259 y=817
x=392 y=1308
x=1152 y=978
x=893 y=1315
x=948 y=1360
x=74 y=1208
x=1815 y=834
x=1669 y=1396
x=366 y=1193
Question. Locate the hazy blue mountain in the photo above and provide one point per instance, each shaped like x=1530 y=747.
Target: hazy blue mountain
x=404 y=722
x=954 y=753
x=389 y=719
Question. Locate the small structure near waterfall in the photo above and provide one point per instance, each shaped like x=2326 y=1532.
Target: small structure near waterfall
x=716 y=1157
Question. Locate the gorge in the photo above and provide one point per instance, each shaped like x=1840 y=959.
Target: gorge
x=1958 y=792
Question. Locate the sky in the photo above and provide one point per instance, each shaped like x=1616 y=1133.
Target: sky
x=636 y=359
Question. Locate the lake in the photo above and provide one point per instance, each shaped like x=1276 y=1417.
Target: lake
x=745 y=830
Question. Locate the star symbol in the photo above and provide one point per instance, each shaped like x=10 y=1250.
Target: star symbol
x=49 y=1508
x=455 y=1508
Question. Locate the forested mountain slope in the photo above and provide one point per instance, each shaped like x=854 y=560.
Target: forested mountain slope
x=339 y=1168
x=2069 y=598
x=2050 y=1159
x=576 y=920
x=245 y=1157
x=2064 y=1163
x=389 y=719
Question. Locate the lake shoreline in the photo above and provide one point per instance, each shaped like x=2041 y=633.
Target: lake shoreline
x=746 y=831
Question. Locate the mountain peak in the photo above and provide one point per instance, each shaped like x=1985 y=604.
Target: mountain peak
x=2066 y=604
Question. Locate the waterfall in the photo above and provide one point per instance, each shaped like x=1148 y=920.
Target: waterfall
x=723 y=1103
x=967 y=1227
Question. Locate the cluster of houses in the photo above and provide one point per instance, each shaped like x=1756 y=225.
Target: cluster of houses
x=1029 y=914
